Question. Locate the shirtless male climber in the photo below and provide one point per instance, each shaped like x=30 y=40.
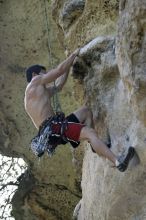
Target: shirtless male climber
x=54 y=130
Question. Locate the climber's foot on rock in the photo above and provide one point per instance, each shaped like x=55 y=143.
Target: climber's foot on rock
x=123 y=165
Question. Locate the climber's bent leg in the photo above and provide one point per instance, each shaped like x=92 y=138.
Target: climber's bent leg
x=85 y=116
x=99 y=147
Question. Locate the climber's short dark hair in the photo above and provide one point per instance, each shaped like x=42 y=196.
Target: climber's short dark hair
x=33 y=69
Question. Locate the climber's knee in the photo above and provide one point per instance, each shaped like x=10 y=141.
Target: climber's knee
x=83 y=114
x=87 y=134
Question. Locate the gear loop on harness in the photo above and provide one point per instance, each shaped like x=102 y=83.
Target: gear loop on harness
x=43 y=142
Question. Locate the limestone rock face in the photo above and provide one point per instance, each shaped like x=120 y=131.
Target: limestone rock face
x=110 y=72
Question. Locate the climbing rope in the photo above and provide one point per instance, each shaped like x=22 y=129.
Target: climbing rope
x=56 y=102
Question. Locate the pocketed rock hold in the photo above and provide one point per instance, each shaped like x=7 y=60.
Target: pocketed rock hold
x=96 y=56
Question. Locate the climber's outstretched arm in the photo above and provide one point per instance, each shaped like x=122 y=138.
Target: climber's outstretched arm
x=62 y=68
x=60 y=82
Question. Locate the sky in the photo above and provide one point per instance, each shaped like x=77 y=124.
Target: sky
x=10 y=170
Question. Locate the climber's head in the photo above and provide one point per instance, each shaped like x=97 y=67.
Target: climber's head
x=34 y=70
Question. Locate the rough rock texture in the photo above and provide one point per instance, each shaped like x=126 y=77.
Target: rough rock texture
x=103 y=186
x=81 y=21
x=111 y=73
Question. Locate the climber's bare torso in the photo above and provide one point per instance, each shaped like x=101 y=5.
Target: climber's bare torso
x=38 y=94
x=37 y=101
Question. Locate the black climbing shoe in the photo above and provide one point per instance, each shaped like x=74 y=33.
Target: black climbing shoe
x=124 y=164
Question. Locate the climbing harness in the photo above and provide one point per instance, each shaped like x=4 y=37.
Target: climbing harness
x=46 y=140
x=55 y=99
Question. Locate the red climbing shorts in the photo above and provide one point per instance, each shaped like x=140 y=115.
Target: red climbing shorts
x=72 y=133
